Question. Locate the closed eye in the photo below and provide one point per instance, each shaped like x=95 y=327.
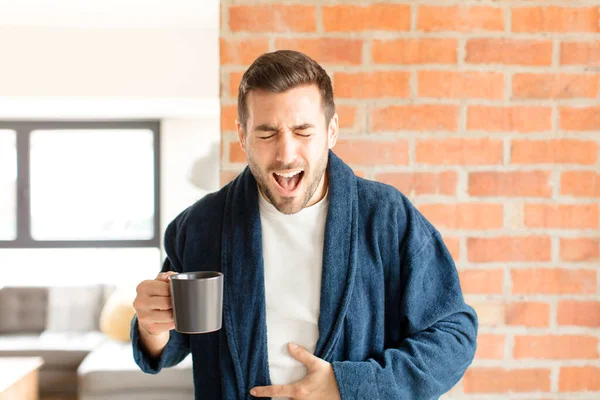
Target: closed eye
x=266 y=137
x=303 y=130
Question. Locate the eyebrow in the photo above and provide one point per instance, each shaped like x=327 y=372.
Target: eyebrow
x=271 y=128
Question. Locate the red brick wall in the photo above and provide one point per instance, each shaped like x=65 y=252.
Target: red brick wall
x=488 y=116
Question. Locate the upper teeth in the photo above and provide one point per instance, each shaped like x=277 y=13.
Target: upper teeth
x=288 y=174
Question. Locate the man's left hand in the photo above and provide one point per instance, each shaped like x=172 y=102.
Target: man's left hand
x=319 y=382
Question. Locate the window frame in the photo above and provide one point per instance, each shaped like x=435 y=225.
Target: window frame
x=23 y=131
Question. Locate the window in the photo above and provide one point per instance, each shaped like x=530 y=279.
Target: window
x=91 y=187
x=8 y=185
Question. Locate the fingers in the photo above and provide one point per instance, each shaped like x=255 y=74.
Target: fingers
x=145 y=302
x=156 y=287
x=156 y=317
x=158 y=303
x=157 y=328
x=293 y=390
x=153 y=304
x=164 y=276
x=156 y=321
x=153 y=287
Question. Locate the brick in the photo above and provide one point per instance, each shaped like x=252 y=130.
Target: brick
x=242 y=51
x=507 y=249
x=490 y=347
x=530 y=314
x=362 y=85
x=579 y=379
x=509 y=51
x=453 y=246
x=580 y=249
x=481 y=281
x=458 y=151
x=272 y=18
x=421 y=183
x=558 y=281
x=561 y=216
x=580 y=53
x=554 y=86
x=415 y=51
x=376 y=17
x=499 y=380
x=555 y=19
x=490 y=313
x=579 y=118
x=371 y=152
x=559 y=151
x=228 y=117
x=347 y=116
x=464 y=216
x=234 y=83
x=461 y=85
x=521 y=119
x=510 y=184
x=556 y=347
x=426 y=117
x=580 y=183
x=326 y=50
x=460 y=19
x=236 y=154
x=579 y=313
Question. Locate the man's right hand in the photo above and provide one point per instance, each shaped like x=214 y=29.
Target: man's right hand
x=154 y=312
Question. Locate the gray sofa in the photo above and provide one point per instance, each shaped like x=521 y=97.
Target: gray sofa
x=61 y=325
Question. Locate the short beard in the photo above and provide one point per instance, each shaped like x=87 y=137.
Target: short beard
x=285 y=206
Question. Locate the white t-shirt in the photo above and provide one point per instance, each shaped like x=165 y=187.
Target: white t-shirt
x=293 y=261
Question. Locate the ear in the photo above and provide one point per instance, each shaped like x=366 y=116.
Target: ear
x=333 y=131
x=241 y=134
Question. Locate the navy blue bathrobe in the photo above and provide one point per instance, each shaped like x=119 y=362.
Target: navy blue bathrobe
x=392 y=320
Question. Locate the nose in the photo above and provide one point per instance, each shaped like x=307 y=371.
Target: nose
x=286 y=149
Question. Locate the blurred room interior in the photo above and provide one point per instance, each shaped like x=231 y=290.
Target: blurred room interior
x=109 y=127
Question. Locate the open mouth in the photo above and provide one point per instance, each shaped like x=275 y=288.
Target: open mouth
x=288 y=182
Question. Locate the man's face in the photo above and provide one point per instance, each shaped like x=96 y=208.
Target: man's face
x=286 y=144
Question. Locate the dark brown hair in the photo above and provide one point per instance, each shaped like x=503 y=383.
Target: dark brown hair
x=282 y=70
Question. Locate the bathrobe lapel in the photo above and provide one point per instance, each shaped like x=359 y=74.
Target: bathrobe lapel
x=244 y=311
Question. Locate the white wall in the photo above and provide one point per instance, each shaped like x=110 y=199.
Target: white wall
x=114 y=48
x=190 y=169
x=111 y=59
x=108 y=62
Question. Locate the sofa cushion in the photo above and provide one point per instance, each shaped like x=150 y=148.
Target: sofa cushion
x=59 y=351
x=23 y=309
x=74 y=308
x=111 y=368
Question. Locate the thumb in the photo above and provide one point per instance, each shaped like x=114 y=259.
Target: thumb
x=303 y=355
x=164 y=276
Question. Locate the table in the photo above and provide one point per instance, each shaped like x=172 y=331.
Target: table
x=19 y=378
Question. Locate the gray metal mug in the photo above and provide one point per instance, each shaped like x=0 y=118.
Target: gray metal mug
x=197 y=299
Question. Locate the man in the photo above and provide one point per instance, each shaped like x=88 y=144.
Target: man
x=313 y=256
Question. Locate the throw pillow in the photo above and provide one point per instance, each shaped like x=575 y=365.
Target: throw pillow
x=117 y=313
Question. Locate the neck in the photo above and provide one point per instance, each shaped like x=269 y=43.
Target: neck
x=320 y=192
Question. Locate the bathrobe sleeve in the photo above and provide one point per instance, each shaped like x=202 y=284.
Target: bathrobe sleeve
x=439 y=332
x=178 y=346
